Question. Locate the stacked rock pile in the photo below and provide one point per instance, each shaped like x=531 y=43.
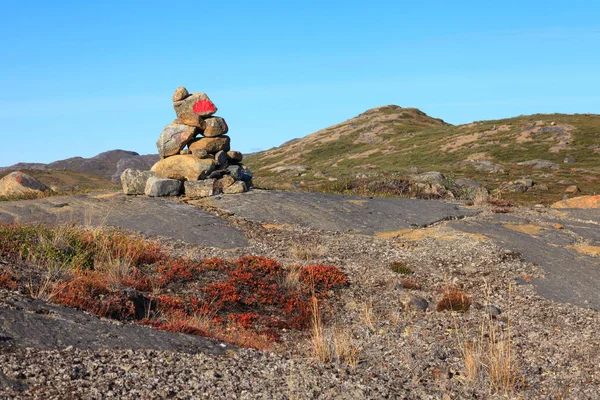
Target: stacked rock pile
x=195 y=155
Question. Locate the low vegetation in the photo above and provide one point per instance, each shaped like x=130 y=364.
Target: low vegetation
x=246 y=302
x=377 y=152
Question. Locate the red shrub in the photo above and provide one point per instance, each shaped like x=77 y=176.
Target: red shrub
x=321 y=277
x=7 y=280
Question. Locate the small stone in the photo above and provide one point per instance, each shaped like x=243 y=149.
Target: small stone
x=569 y=160
x=211 y=145
x=19 y=183
x=418 y=303
x=572 y=189
x=180 y=94
x=173 y=138
x=184 y=167
x=199 y=189
x=221 y=158
x=492 y=310
x=185 y=151
x=200 y=153
x=235 y=156
x=158 y=187
x=215 y=126
x=226 y=181
x=134 y=181
x=237 y=187
x=558 y=226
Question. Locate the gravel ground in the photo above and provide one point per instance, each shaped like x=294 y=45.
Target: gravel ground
x=403 y=352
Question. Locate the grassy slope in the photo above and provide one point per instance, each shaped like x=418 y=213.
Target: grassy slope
x=391 y=140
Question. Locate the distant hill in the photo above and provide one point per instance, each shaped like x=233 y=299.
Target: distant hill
x=108 y=165
x=558 y=151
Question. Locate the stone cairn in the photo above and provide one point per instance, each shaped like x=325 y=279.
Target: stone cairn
x=195 y=155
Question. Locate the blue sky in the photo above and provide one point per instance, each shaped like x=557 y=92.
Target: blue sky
x=81 y=77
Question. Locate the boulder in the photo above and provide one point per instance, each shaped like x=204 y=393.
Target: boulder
x=226 y=181
x=158 y=187
x=19 y=183
x=218 y=174
x=579 y=202
x=199 y=189
x=180 y=94
x=236 y=172
x=191 y=120
x=221 y=158
x=235 y=156
x=141 y=163
x=193 y=106
x=430 y=177
x=184 y=167
x=134 y=181
x=246 y=175
x=539 y=164
x=173 y=138
x=211 y=145
x=236 y=187
x=215 y=126
x=572 y=189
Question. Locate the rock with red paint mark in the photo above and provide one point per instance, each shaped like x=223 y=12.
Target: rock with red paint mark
x=180 y=94
x=215 y=126
x=174 y=138
x=195 y=104
x=20 y=184
x=184 y=167
x=212 y=145
x=235 y=156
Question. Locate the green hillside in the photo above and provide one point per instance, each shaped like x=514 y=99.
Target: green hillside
x=392 y=141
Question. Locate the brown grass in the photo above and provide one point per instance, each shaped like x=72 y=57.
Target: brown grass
x=306 y=252
x=488 y=357
x=454 y=300
x=318 y=340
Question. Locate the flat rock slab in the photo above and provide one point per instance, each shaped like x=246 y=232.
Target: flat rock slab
x=571 y=276
x=331 y=212
x=151 y=216
x=40 y=325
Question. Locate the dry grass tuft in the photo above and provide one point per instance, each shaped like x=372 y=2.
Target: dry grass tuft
x=345 y=348
x=454 y=300
x=318 y=339
x=410 y=284
x=481 y=198
x=307 y=252
x=488 y=357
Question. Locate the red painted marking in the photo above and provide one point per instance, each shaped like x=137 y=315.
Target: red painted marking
x=203 y=106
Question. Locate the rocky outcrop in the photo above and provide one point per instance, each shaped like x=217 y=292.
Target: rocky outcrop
x=134 y=181
x=579 y=202
x=20 y=184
